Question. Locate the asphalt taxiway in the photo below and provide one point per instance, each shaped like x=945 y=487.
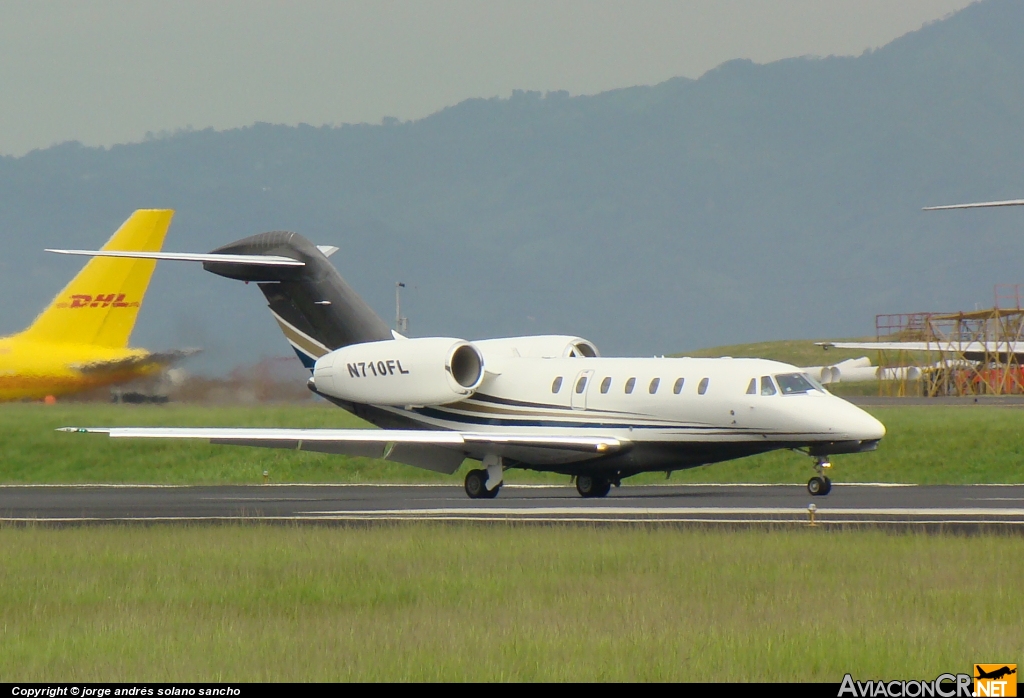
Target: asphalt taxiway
x=956 y=507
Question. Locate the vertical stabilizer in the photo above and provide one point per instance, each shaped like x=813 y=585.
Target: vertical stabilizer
x=99 y=306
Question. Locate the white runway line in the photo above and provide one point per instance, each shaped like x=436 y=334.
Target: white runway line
x=524 y=486
x=671 y=511
x=374 y=516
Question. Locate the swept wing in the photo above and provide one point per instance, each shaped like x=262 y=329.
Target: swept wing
x=442 y=451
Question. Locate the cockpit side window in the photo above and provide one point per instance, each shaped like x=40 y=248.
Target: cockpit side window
x=752 y=387
x=767 y=387
x=813 y=381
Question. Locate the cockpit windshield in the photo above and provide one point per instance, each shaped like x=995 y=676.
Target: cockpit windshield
x=795 y=383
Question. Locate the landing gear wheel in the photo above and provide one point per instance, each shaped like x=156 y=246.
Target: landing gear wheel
x=819 y=486
x=476 y=486
x=589 y=486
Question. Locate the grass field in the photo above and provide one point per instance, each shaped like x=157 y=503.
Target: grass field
x=928 y=445
x=461 y=602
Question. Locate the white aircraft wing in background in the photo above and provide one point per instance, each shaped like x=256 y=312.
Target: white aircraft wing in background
x=969 y=350
x=983 y=204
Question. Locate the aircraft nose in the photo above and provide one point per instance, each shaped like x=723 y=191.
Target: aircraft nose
x=860 y=425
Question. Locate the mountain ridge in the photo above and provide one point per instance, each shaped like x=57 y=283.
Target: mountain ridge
x=755 y=202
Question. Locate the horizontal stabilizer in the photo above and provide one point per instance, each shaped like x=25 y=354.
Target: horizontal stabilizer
x=162 y=358
x=983 y=204
x=248 y=259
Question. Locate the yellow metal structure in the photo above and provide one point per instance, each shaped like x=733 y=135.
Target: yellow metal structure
x=992 y=366
x=80 y=341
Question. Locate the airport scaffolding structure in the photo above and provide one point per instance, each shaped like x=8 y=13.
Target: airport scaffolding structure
x=945 y=370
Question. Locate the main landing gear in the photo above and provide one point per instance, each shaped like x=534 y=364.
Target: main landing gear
x=820 y=485
x=590 y=486
x=485 y=483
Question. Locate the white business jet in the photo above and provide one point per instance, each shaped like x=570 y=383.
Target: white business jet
x=542 y=402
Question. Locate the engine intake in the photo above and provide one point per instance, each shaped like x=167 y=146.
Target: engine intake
x=400 y=372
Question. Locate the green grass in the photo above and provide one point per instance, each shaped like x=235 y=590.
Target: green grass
x=926 y=445
x=462 y=602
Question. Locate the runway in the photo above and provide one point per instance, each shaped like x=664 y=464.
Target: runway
x=949 y=507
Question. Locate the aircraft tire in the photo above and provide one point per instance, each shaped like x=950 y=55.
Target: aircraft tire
x=818 y=486
x=589 y=486
x=476 y=485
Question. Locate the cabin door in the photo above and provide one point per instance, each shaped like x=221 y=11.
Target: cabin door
x=579 y=390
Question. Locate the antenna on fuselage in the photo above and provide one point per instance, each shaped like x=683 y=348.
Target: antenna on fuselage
x=401 y=323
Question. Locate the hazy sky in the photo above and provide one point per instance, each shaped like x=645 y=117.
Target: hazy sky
x=108 y=71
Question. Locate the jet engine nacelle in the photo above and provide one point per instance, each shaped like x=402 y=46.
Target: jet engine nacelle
x=542 y=346
x=400 y=372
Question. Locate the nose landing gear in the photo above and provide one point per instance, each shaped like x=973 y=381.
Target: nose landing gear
x=820 y=485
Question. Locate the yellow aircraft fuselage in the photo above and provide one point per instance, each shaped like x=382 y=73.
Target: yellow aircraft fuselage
x=32 y=370
x=80 y=341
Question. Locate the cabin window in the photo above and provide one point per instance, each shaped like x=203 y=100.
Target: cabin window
x=702 y=387
x=629 y=385
x=752 y=387
x=653 y=387
x=678 y=387
x=556 y=385
x=606 y=384
x=767 y=387
x=793 y=383
x=581 y=385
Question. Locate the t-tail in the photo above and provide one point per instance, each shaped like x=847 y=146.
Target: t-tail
x=315 y=308
x=100 y=305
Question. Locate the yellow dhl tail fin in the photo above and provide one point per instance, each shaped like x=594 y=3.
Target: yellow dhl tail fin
x=99 y=306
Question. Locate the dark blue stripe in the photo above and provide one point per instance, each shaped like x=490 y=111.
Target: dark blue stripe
x=307 y=360
x=499 y=422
